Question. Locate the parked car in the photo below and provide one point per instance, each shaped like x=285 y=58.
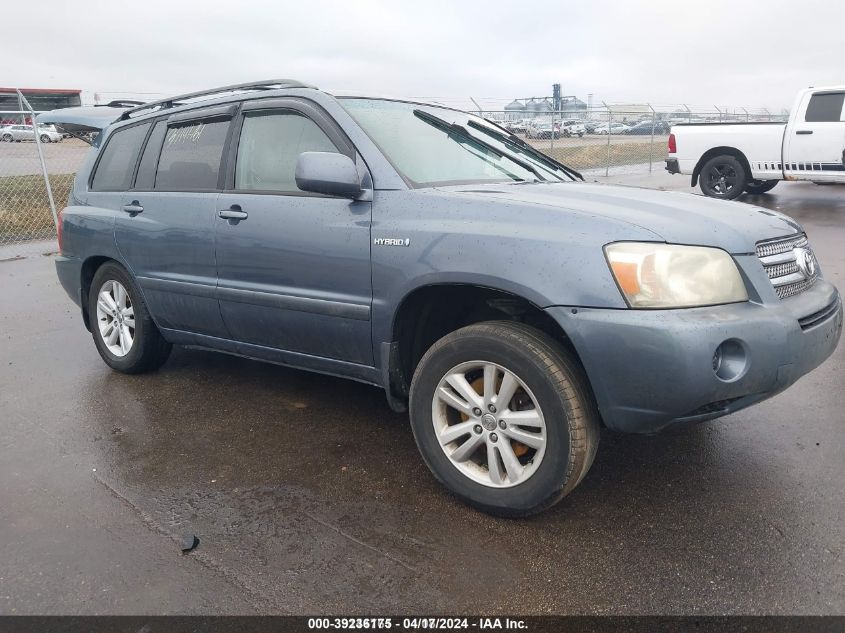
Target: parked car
x=611 y=128
x=649 y=127
x=572 y=127
x=542 y=130
x=517 y=127
x=511 y=308
x=731 y=158
x=18 y=133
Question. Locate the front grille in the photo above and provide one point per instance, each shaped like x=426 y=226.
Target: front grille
x=780 y=261
x=780 y=245
x=781 y=270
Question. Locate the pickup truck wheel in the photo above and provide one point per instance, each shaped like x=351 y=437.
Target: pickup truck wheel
x=504 y=417
x=756 y=187
x=722 y=177
x=123 y=331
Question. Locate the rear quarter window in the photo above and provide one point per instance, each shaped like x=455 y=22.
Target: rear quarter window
x=191 y=156
x=117 y=163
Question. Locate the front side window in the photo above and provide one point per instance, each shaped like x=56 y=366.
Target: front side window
x=117 y=164
x=431 y=146
x=270 y=144
x=191 y=156
x=825 y=107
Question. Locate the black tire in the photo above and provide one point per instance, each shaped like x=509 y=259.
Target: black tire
x=7 y=138
x=756 y=187
x=149 y=350
x=561 y=390
x=45 y=138
x=722 y=177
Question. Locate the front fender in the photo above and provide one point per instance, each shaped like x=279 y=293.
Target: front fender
x=420 y=238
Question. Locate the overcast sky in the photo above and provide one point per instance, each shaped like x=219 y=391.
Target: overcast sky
x=718 y=52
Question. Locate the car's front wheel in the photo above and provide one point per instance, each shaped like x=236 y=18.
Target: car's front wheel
x=124 y=332
x=504 y=417
x=7 y=138
x=45 y=138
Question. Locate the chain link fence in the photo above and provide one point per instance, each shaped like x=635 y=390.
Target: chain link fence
x=25 y=212
x=597 y=141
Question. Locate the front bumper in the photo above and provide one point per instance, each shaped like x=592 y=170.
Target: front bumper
x=650 y=369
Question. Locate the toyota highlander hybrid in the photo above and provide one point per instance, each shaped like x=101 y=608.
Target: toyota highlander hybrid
x=510 y=307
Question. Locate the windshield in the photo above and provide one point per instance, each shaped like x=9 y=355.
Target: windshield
x=436 y=146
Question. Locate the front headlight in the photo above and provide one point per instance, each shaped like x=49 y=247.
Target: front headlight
x=652 y=275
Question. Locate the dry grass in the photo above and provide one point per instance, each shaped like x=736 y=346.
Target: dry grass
x=595 y=156
x=24 y=207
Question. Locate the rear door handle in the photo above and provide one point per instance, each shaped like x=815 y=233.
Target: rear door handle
x=804 y=131
x=133 y=208
x=233 y=213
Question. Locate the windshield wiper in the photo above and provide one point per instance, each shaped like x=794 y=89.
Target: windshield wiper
x=514 y=140
x=453 y=129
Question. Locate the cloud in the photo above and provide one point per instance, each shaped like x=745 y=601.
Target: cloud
x=668 y=52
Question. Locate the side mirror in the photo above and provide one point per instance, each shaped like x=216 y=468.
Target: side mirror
x=329 y=173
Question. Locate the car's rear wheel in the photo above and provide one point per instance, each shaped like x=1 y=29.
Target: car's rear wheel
x=124 y=333
x=756 y=187
x=45 y=138
x=504 y=417
x=722 y=177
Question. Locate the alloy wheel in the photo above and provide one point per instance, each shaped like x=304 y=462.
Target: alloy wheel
x=489 y=424
x=722 y=179
x=116 y=318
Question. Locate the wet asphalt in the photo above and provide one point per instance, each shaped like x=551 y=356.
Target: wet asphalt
x=308 y=495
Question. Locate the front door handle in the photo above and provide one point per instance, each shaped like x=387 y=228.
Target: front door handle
x=804 y=131
x=133 y=208
x=234 y=213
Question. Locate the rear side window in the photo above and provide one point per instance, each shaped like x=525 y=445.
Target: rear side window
x=270 y=145
x=191 y=155
x=825 y=107
x=120 y=155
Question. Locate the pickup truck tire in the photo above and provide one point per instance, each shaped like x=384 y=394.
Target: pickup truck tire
x=756 y=187
x=722 y=177
x=458 y=429
x=124 y=332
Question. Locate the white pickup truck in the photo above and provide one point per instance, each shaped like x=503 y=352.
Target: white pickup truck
x=728 y=159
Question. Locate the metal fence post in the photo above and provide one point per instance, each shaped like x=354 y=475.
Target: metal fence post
x=609 y=129
x=651 y=145
x=41 y=159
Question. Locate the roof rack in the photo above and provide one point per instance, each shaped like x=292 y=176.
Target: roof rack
x=170 y=102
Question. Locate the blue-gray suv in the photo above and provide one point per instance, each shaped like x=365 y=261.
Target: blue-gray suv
x=510 y=307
